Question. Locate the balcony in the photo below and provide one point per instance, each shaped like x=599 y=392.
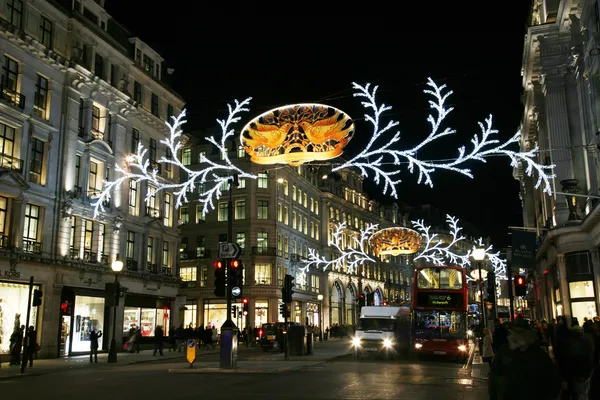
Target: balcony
x=166 y=270
x=151 y=268
x=152 y=212
x=12 y=163
x=193 y=255
x=90 y=256
x=264 y=251
x=131 y=264
x=32 y=247
x=12 y=97
x=4 y=242
x=188 y=284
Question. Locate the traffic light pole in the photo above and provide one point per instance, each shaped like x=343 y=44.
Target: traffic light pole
x=510 y=290
x=25 y=341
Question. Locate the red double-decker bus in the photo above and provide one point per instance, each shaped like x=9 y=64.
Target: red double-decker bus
x=440 y=307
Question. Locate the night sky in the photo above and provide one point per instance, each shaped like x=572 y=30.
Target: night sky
x=233 y=53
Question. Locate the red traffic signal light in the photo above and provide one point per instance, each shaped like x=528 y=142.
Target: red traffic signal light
x=520 y=280
x=218 y=264
x=234 y=263
x=245 y=306
x=362 y=296
x=244 y=300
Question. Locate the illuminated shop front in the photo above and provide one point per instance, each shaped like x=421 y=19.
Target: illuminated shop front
x=13 y=311
x=145 y=314
x=81 y=312
x=215 y=314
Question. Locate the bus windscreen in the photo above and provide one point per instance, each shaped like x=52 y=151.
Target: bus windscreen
x=377 y=324
x=440 y=324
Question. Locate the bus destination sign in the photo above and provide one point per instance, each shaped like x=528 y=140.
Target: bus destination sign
x=444 y=300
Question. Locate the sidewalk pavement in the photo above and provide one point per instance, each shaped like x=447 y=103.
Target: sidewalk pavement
x=48 y=366
x=272 y=362
x=479 y=369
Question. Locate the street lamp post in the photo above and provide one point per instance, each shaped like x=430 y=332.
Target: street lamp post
x=116 y=266
x=479 y=256
x=320 y=298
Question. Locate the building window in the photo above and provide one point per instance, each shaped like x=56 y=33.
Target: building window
x=99 y=66
x=279 y=244
x=199 y=216
x=130 y=247
x=286 y=215
x=186 y=158
x=166 y=269
x=93 y=179
x=137 y=92
x=46 y=32
x=138 y=56
x=262 y=274
x=135 y=140
x=31 y=229
x=148 y=64
x=88 y=239
x=305 y=200
x=36 y=167
x=149 y=252
x=263 y=209
x=15 y=12
x=200 y=246
x=167 y=217
x=3 y=230
x=184 y=215
x=294 y=192
x=223 y=212
x=286 y=246
x=286 y=188
x=294 y=223
x=241 y=152
x=263 y=181
x=201 y=157
x=240 y=239
x=10 y=78
x=279 y=212
x=170 y=112
x=133 y=198
x=154 y=105
x=96 y=122
x=40 y=99
x=188 y=274
x=262 y=242
x=240 y=209
x=7 y=147
x=316 y=231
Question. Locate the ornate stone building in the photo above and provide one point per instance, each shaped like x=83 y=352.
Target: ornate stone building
x=561 y=79
x=78 y=94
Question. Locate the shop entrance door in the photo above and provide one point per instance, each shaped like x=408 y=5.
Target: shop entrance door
x=65 y=335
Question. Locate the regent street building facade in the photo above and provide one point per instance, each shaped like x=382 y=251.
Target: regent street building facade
x=277 y=218
x=78 y=94
x=561 y=81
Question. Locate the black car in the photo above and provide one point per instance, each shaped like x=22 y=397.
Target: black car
x=268 y=333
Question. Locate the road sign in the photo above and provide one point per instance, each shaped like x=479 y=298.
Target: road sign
x=191 y=351
x=228 y=250
x=235 y=291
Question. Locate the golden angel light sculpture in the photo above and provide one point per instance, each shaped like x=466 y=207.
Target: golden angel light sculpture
x=297 y=134
x=395 y=241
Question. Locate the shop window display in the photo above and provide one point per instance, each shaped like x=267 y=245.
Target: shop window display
x=89 y=315
x=13 y=311
x=146 y=320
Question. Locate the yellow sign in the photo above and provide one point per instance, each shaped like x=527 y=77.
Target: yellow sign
x=191 y=350
x=296 y=134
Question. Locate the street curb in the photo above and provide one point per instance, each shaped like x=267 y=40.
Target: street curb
x=304 y=358
x=231 y=371
x=20 y=376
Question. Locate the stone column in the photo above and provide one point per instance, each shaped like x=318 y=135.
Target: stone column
x=558 y=134
x=564 y=287
x=143 y=260
x=17 y=217
x=273 y=314
x=596 y=274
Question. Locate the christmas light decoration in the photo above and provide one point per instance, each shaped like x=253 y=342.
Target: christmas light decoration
x=436 y=251
x=350 y=257
x=395 y=241
x=373 y=159
x=139 y=167
x=297 y=134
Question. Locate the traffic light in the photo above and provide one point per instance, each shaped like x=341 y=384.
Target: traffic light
x=219 y=278
x=520 y=286
x=361 y=301
x=65 y=308
x=37 y=298
x=246 y=306
x=237 y=277
x=288 y=289
x=234 y=311
x=283 y=310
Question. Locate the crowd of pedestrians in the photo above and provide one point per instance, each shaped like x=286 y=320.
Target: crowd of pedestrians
x=541 y=360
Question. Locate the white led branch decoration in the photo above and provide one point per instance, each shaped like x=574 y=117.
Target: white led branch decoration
x=140 y=169
x=373 y=158
x=351 y=257
x=437 y=252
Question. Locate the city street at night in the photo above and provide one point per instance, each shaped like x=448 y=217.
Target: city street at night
x=341 y=379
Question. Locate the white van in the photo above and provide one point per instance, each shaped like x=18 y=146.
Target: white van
x=383 y=331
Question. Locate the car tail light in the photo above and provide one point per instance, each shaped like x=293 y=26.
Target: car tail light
x=260 y=332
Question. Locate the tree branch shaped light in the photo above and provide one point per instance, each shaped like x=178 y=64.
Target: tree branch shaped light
x=372 y=159
x=351 y=256
x=139 y=167
x=437 y=252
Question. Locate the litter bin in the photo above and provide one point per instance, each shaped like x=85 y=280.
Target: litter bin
x=309 y=344
x=295 y=336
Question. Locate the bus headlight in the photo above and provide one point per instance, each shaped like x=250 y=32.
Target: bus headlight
x=462 y=347
x=387 y=343
x=356 y=342
x=418 y=345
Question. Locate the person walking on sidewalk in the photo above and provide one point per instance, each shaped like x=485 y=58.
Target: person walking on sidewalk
x=487 y=352
x=158 y=337
x=31 y=344
x=522 y=369
x=94 y=336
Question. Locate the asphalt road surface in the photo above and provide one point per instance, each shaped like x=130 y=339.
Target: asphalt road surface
x=340 y=379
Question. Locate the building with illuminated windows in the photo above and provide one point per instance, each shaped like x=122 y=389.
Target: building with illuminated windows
x=561 y=101
x=277 y=218
x=78 y=93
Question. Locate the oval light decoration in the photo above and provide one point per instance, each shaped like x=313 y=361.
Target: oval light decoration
x=296 y=134
x=395 y=241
